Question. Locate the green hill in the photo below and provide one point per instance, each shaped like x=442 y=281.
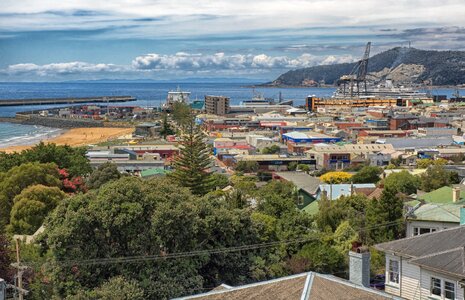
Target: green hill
x=438 y=67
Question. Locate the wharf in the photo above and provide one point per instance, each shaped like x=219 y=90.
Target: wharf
x=74 y=100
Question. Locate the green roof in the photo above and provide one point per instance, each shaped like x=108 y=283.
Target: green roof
x=197 y=104
x=438 y=212
x=153 y=172
x=441 y=195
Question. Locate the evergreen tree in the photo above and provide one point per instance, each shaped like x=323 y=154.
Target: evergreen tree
x=166 y=127
x=191 y=165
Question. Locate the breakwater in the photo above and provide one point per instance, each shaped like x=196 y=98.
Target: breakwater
x=74 y=100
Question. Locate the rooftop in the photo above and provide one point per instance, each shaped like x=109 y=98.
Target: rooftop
x=296 y=287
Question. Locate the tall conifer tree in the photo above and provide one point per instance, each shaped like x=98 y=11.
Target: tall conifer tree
x=192 y=163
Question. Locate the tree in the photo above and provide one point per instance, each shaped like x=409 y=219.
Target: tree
x=386 y=213
x=20 y=177
x=436 y=177
x=303 y=167
x=135 y=217
x=219 y=181
x=292 y=166
x=116 y=288
x=402 y=182
x=247 y=166
x=166 y=127
x=65 y=157
x=321 y=258
x=277 y=198
x=32 y=206
x=273 y=149
x=182 y=113
x=103 y=174
x=192 y=163
x=336 y=177
x=6 y=270
x=368 y=174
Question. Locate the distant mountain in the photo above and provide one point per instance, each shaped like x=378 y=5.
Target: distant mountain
x=180 y=80
x=401 y=65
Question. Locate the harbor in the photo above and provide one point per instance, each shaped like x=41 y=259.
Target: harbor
x=71 y=100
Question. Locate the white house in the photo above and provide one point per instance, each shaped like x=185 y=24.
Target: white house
x=427 y=266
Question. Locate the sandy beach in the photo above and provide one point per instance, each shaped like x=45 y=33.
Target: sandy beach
x=79 y=137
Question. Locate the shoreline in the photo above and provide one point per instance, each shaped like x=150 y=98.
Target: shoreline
x=76 y=137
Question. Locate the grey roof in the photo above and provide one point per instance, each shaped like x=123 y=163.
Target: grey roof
x=450 y=262
x=439 y=250
x=400 y=143
x=303 y=181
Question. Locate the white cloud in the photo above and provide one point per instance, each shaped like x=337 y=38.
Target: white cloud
x=76 y=67
x=199 y=62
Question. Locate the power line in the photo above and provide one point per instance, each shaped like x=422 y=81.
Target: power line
x=142 y=258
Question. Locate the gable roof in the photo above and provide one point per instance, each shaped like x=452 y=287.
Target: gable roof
x=449 y=212
x=429 y=250
x=441 y=195
x=303 y=181
x=296 y=287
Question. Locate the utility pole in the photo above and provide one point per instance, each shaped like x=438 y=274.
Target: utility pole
x=17 y=265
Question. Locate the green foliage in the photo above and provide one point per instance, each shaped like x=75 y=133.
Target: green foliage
x=166 y=127
x=131 y=217
x=116 y=288
x=426 y=162
x=181 y=113
x=273 y=149
x=191 y=165
x=343 y=237
x=292 y=166
x=402 y=182
x=246 y=184
x=6 y=254
x=14 y=181
x=219 y=181
x=65 y=157
x=303 y=167
x=321 y=258
x=386 y=211
x=277 y=198
x=103 y=174
x=247 y=166
x=436 y=177
x=32 y=206
x=367 y=174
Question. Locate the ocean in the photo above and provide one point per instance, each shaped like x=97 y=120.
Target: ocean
x=148 y=94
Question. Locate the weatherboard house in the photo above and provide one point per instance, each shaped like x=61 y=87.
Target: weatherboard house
x=426 y=266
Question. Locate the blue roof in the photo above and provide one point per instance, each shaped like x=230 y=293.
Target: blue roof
x=335 y=191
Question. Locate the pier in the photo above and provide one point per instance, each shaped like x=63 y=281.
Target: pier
x=74 y=100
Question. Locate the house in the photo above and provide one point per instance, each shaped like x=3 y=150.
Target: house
x=307 y=186
x=336 y=191
x=437 y=210
x=275 y=162
x=303 y=286
x=427 y=266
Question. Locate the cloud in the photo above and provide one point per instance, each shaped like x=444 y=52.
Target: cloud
x=187 y=61
x=65 y=68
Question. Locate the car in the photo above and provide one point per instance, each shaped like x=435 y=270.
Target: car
x=377 y=282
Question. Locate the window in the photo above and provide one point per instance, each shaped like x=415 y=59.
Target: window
x=442 y=288
x=300 y=200
x=422 y=230
x=435 y=286
x=449 y=290
x=393 y=271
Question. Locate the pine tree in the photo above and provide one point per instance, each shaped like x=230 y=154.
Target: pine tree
x=166 y=127
x=191 y=165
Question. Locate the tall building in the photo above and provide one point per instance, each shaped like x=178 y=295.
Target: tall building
x=217 y=105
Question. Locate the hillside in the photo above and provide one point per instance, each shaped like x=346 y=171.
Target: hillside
x=402 y=65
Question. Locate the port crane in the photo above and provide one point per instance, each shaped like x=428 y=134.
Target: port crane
x=358 y=74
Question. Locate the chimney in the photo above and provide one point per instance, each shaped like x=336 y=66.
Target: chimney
x=359 y=265
x=455 y=194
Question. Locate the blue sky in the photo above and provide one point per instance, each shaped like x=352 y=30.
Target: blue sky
x=50 y=40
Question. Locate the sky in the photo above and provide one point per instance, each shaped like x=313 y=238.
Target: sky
x=60 y=40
